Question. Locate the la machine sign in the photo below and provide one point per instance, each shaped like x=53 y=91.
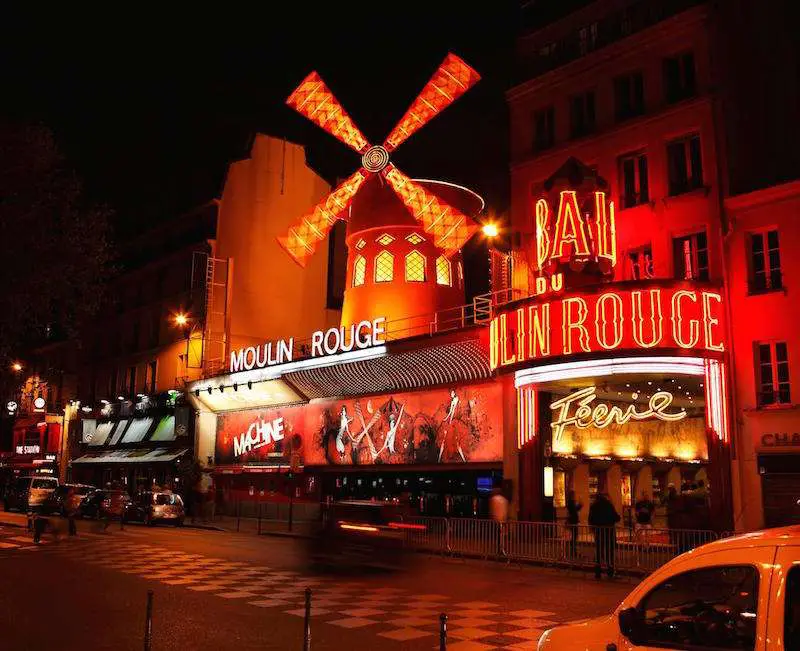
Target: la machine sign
x=639 y=316
x=364 y=334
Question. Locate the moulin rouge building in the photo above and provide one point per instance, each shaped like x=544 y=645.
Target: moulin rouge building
x=575 y=380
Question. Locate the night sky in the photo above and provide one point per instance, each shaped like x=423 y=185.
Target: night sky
x=150 y=109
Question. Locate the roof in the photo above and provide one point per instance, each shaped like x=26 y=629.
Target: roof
x=779 y=536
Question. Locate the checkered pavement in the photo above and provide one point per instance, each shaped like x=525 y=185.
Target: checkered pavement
x=13 y=539
x=390 y=613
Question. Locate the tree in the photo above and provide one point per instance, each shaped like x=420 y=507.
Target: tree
x=54 y=244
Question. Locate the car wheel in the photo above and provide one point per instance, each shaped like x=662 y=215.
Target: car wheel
x=148 y=520
x=179 y=522
x=6 y=507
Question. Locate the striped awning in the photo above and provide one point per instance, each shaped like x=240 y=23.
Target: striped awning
x=139 y=455
x=414 y=368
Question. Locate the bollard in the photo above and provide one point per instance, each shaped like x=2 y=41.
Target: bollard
x=307 y=627
x=148 y=624
x=442 y=632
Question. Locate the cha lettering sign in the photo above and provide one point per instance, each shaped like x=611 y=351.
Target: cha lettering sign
x=333 y=341
x=641 y=316
x=778 y=440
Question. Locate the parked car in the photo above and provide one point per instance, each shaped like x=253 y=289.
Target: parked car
x=156 y=506
x=737 y=593
x=55 y=502
x=29 y=493
x=104 y=503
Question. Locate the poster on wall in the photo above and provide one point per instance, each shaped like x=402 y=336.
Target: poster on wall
x=442 y=426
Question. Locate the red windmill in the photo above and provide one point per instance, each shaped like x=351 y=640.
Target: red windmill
x=448 y=227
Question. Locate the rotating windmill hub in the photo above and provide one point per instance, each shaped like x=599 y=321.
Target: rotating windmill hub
x=449 y=228
x=375 y=158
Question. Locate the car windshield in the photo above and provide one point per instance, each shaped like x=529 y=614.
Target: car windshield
x=162 y=499
x=43 y=483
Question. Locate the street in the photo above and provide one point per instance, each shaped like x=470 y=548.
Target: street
x=220 y=590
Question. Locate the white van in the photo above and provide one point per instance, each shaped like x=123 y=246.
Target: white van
x=738 y=593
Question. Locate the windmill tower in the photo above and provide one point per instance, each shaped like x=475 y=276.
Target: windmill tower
x=404 y=236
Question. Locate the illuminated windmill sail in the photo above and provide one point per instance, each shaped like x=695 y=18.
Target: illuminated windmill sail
x=449 y=228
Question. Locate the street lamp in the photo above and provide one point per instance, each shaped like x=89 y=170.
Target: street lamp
x=16 y=367
x=181 y=319
x=490 y=229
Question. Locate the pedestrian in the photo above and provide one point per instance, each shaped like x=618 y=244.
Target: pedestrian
x=70 y=510
x=644 y=509
x=498 y=511
x=573 y=518
x=603 y=517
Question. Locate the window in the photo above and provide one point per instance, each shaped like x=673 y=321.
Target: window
x=765 y=262
x=384 y=267
x=635 y=184
x=385 y=239
x=415 y=267
x=443 y=271
x=629 y=96
x=360 y=244
x=772 y=362
x=150 y=380
x=132 y=381
x=710 y=608
x=415 y=238
x=544 y=129
x=791 y=616
x=685 y=165
x=582 y=117
x=640 y=263
x=679 y=77
x=359 y=270
x=155 y=328
x=691 y=256
x=587 y=38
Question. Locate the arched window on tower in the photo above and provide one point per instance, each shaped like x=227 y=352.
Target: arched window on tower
x=415 y=267
x=384 y=267
x=359 y=270
x=443 y=271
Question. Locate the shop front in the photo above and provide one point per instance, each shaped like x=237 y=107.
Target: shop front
x=620 y=387
x=36 y=447
x=427 y=437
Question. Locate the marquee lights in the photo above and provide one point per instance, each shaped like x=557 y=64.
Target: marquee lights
x=601 y=415
x=620 y=319
x=716 y=399
x=526 y=416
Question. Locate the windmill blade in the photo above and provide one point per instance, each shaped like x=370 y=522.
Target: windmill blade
x=451 y=80
x=450 y=228
x=302 y=239
x=313 y=99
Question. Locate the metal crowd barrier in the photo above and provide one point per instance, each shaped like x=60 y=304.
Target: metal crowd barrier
x=640 y=550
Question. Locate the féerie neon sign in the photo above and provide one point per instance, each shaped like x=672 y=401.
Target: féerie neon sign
x=601 y=415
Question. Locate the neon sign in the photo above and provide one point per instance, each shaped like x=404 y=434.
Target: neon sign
x=571 y=236
x=601 y=415
x=642 y=316
x=323 y=342
x=259 y=434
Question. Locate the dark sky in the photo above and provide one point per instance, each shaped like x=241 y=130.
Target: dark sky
x=150 y=108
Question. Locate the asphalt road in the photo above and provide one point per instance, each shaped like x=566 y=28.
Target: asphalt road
x=219 y=590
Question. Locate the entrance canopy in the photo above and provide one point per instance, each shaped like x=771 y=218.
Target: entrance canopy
x=139 y=455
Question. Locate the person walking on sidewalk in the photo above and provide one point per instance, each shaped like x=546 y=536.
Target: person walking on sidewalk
x=71 y=501
x=603 y=517
x=573 y=518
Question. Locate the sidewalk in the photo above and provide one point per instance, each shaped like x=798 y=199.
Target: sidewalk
x=11 y=519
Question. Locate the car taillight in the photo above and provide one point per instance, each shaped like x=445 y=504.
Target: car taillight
x=407 y=525
x=357 y=527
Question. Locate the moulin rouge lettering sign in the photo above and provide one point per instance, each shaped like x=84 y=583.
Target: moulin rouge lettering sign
x=323 y=342
x=579 y=410
x=639 y=317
